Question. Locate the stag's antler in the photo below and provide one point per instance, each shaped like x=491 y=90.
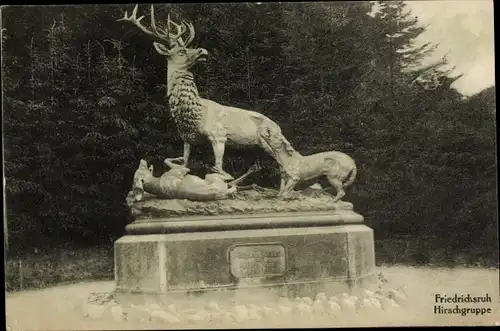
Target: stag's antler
x=181 y=29
x=158 y=33
x=191 y=32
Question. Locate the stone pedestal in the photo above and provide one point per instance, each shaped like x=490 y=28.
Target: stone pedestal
x=290 y=253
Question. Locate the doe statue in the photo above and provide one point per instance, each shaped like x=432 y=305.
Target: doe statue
x=198 y=119
x=339 y=168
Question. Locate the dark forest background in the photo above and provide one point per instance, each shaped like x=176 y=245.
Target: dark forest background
x=83 y=102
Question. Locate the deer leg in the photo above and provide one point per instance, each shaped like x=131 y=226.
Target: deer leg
x=337 y=184
x=218 y=146
x=170 y=163
x=186 y=154
x=287 y=183
x=282 y=180
x=250 y=171
x=288 y=187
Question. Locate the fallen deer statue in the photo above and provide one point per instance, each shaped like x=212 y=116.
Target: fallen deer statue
x=178 y=184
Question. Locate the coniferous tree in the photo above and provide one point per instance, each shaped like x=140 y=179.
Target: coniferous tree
x=71 y=134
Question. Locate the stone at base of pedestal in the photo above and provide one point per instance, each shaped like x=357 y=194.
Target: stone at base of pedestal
x=289 y=262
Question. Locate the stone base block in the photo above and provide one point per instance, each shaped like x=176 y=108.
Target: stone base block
x=296 y=261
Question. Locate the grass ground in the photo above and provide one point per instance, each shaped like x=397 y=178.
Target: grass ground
x=62 y=266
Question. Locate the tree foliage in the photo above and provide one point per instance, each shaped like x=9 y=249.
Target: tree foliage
x=84 y=102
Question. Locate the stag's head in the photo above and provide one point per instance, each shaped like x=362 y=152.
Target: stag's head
x=169 y=42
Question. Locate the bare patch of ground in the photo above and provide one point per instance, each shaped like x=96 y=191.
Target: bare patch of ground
x=61 y=307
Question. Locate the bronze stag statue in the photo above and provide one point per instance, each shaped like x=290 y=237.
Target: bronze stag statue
x=198 y=119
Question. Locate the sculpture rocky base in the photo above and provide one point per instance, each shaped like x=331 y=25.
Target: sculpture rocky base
x=244 y=203
x=293 y=254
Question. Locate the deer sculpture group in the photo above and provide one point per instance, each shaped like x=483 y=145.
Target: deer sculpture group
x=199 y=120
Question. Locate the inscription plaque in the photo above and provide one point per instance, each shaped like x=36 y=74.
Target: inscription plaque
x=257 y=260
